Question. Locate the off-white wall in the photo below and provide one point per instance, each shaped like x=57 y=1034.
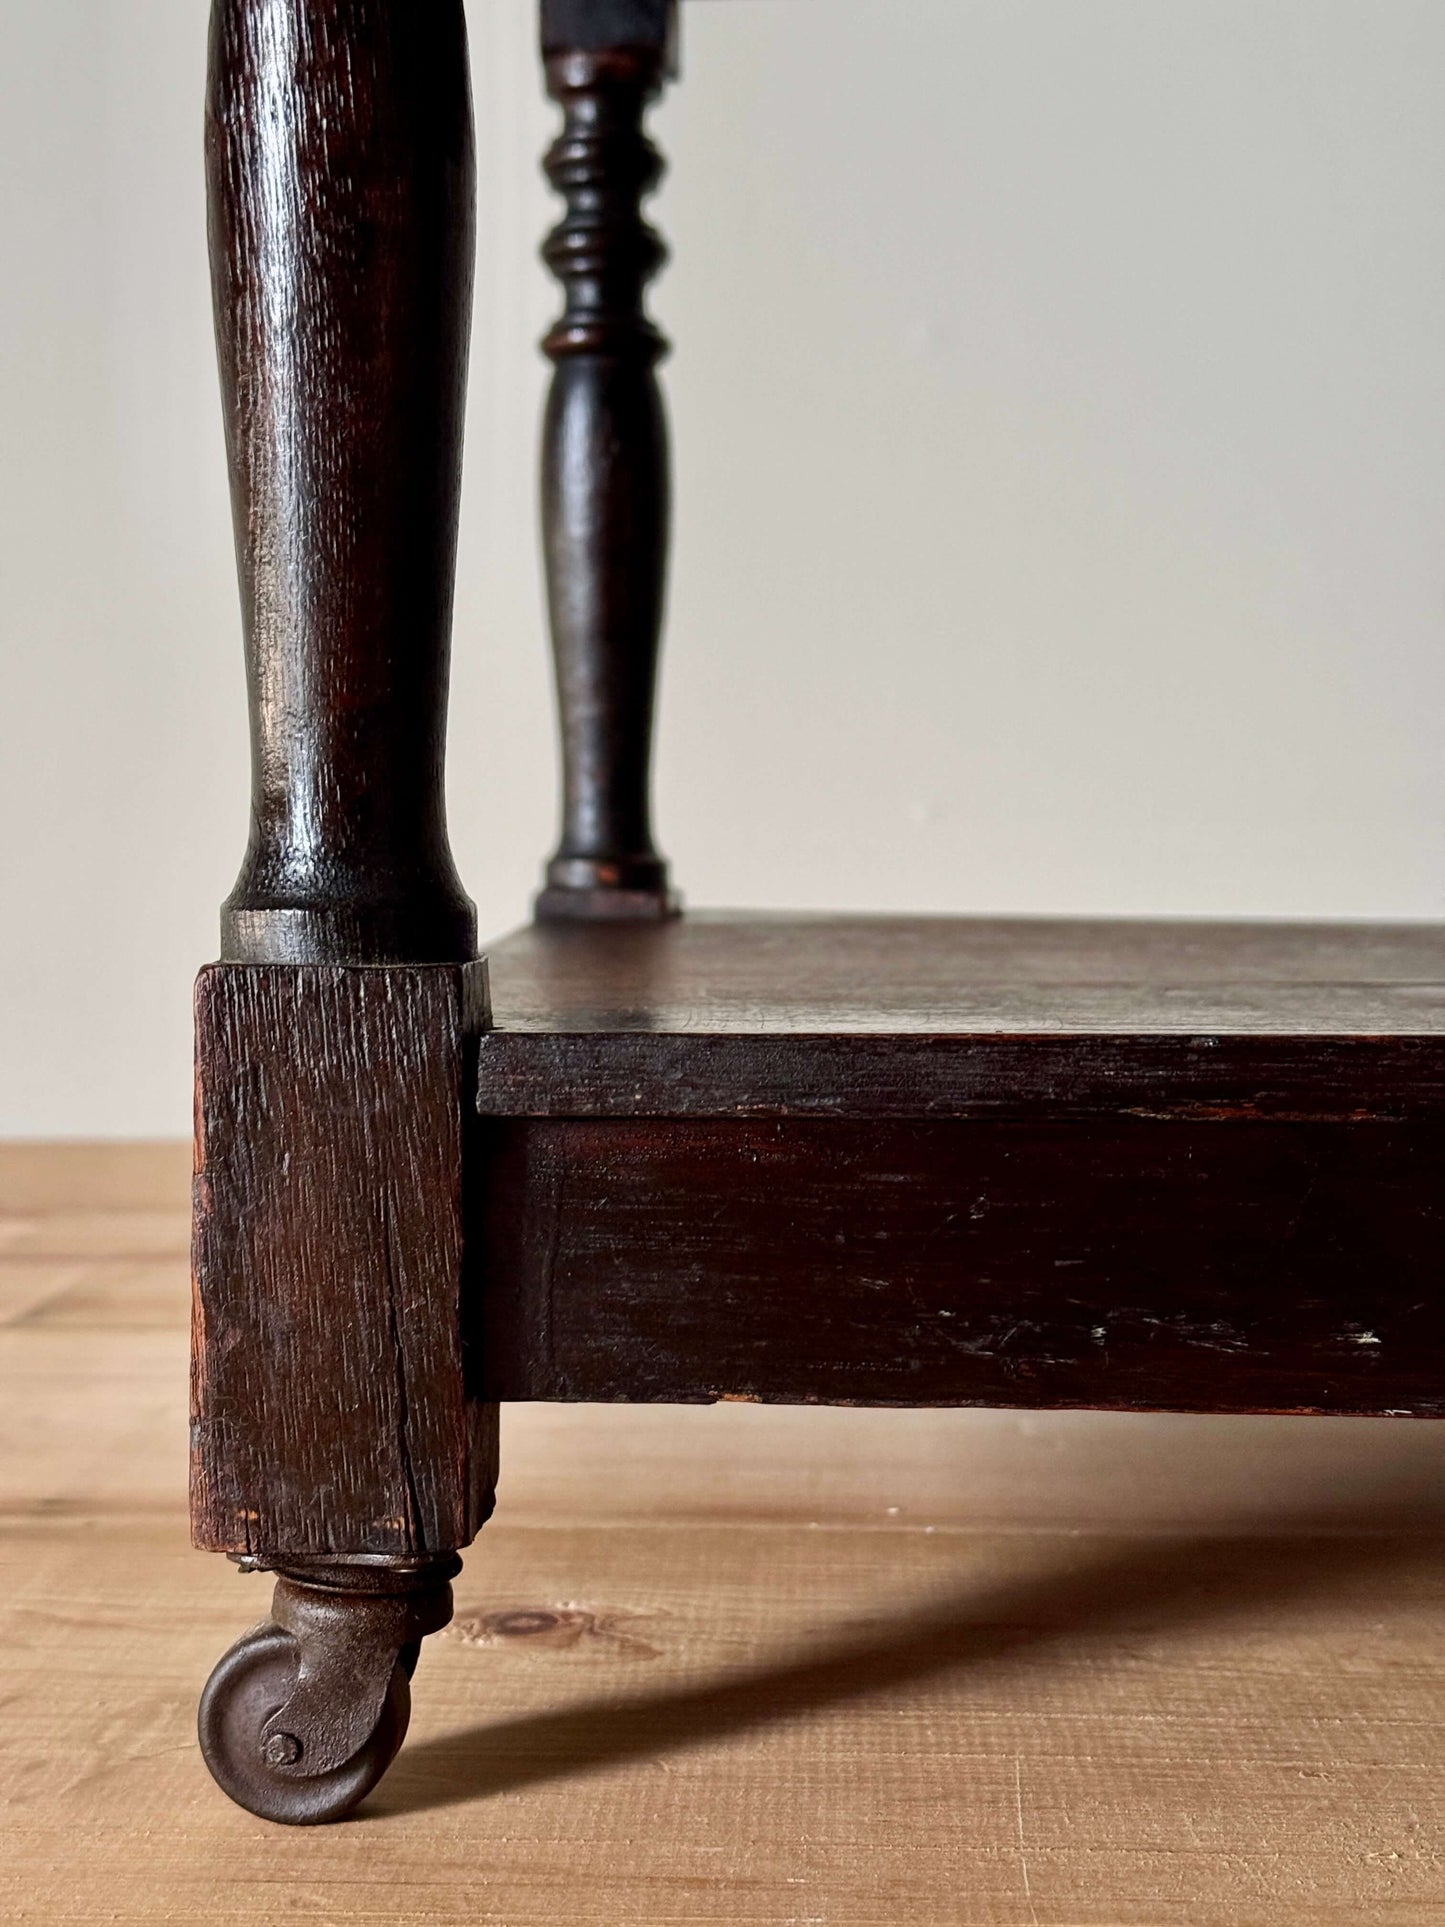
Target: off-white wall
x=1061 y=468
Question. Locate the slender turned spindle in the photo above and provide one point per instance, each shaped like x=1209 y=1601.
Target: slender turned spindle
x=605 y=457
x=341 y=188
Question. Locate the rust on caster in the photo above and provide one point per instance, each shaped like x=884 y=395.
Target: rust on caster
x=352 y=1621
x=282 y=1749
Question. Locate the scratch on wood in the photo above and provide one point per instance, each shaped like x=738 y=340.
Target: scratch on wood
x=415 y=1534
x=667 y=1261
x=1023 y=1851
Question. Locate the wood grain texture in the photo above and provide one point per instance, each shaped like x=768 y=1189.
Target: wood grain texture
x=341 y=190
x=331 y=1408
x=755 y=1726
x=605 y=468
x=897 y=1017
x=1124 y=1265
x=124 y=1294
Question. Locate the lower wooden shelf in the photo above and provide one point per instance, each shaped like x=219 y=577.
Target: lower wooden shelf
x=946 y=1161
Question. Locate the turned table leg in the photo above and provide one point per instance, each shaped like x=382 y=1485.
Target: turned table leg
x=336 y=1437
x=604 y=456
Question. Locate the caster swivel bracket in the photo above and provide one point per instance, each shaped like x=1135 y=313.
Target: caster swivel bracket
x=350 y=1636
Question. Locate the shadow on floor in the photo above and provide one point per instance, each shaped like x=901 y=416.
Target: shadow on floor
x=1147 y=1585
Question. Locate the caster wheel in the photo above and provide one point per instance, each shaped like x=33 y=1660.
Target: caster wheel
x=252 y=1681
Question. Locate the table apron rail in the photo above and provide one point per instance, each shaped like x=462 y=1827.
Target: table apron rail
x=1124 y=1263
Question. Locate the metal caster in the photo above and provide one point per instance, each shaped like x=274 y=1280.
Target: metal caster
x=268 y=1776
x=304 y=1714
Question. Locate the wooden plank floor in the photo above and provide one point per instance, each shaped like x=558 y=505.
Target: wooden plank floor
x=732 y=1665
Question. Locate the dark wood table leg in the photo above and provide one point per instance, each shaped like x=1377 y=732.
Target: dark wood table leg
x=605 y=457
x=336 y=1437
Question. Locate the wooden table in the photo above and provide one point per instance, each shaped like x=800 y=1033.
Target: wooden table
x=633 y=1156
